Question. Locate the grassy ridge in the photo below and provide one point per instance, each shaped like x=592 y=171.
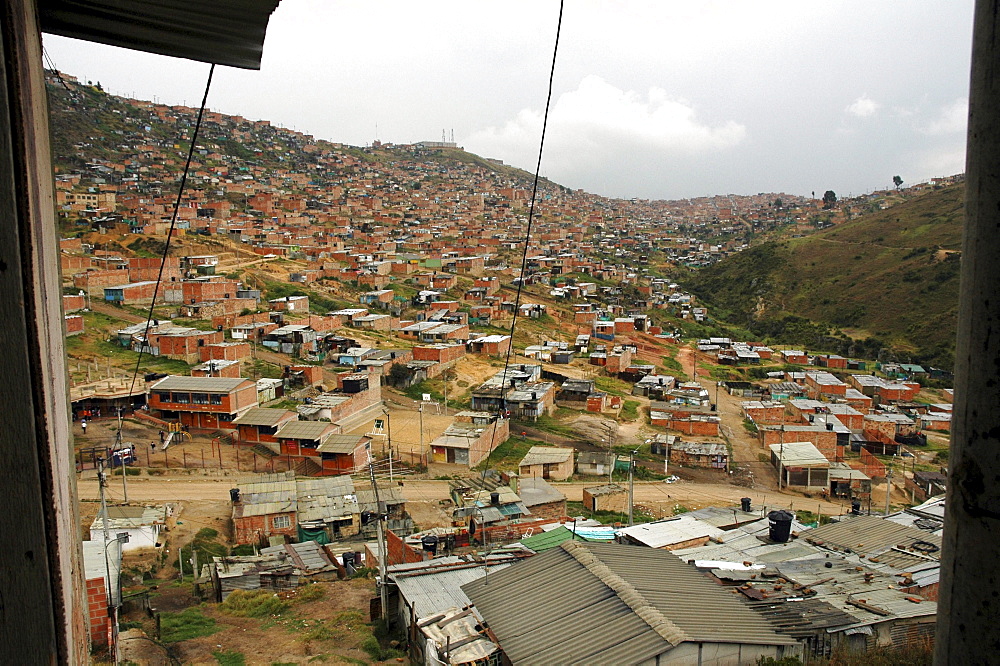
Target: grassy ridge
x=892 y=275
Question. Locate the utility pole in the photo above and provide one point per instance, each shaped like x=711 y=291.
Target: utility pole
x=420 y=409
x=388 y=438
x=101 y=482
x=611 y=453
x=888 y=487
x=382 y=554
x=444 y=376
x=781 y=455
x=121 y=456
x=631 y=484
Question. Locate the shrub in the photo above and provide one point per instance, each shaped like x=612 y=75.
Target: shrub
x=253 y=603
x=189 y=623
x=229 y=658
x=310 y=593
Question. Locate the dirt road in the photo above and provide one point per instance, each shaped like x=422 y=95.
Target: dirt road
x=653 y=494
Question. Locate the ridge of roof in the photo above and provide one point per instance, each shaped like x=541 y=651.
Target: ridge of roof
x=649 y=614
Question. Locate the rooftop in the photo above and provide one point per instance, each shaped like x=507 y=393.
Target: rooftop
x=610 y=604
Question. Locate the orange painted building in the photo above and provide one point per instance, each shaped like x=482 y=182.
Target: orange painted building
x=202 y=402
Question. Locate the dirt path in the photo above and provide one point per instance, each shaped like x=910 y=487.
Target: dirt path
x=746 y=447
x=656 y=494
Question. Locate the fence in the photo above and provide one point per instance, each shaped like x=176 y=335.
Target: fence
x=872 y=466
x=223 y=453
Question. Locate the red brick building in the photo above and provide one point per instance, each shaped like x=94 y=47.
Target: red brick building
x=259 y=425
x=202 y=402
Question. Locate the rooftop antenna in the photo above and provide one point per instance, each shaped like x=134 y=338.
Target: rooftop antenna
x=453 y=135
x=443 y=139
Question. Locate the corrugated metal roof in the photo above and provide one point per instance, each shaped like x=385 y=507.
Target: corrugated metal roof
x=340 y=443
x=327 y=497
x=311 y=430
x=207 y=384
x=873 y=535
x=260 y=416
x=799 y=454
x=534 y=491
x=538 y=455
x=438 y=587
x=226 y=32
x=667 y=532
x=549 y=540
x=554 y=609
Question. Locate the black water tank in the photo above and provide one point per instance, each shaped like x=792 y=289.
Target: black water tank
x=779 y=525
x=745 y=504
x=494 y=498
x=430 y=543
x=855 y=507
x=349 y=563
x=234 y=495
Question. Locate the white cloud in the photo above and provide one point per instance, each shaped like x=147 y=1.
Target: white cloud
x=596 y=121
x=951 y=119
x=863 y=107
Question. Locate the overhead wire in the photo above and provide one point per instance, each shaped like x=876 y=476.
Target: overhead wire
x=527 y=239
x=170 y=231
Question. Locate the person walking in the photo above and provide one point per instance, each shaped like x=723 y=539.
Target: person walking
x=83 y=424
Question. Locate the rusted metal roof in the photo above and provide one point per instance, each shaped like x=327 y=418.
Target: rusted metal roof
x=225 y=32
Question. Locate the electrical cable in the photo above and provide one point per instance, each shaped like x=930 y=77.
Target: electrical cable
x=173 y=223
x=527 y=239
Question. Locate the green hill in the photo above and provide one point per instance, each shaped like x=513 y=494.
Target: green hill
x=886 y=282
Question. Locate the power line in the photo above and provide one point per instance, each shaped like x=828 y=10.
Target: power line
x=527 y=238
x=173 y=223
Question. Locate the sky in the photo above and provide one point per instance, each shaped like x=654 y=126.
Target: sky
x=658 y=100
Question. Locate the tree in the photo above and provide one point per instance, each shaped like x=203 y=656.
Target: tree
x=829 y=198
x=897 y=181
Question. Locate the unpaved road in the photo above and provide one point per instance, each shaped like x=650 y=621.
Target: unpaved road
x=654 y=494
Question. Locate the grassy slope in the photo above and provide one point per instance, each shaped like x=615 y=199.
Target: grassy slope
x=891 y=274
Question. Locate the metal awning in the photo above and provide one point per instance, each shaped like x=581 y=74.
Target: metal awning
x=225 y=32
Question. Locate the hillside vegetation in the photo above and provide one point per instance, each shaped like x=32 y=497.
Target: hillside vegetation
x=887 y=280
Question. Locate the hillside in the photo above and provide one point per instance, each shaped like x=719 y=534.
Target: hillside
x=888 y=280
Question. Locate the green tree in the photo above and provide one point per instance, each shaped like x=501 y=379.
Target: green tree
x=897 y=181
x=829 y=198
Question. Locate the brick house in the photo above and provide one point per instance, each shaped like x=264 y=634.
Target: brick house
x=763 y=413
x=543 y=501
x=824 y=384
x=199 y=291
x=259 y=425
x=303 y=438
x=547 y=462
x=132 y=293
x=470 y=438
x=289 y=304
x=74 y=302
x=494 y=345
x=794 y=357
x=74 y=324
x=183 y=343
x=712 y=455
x=442 y=353
x=202 y=402
x=224 y=351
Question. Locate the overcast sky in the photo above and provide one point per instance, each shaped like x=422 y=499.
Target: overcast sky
x=658 y=100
